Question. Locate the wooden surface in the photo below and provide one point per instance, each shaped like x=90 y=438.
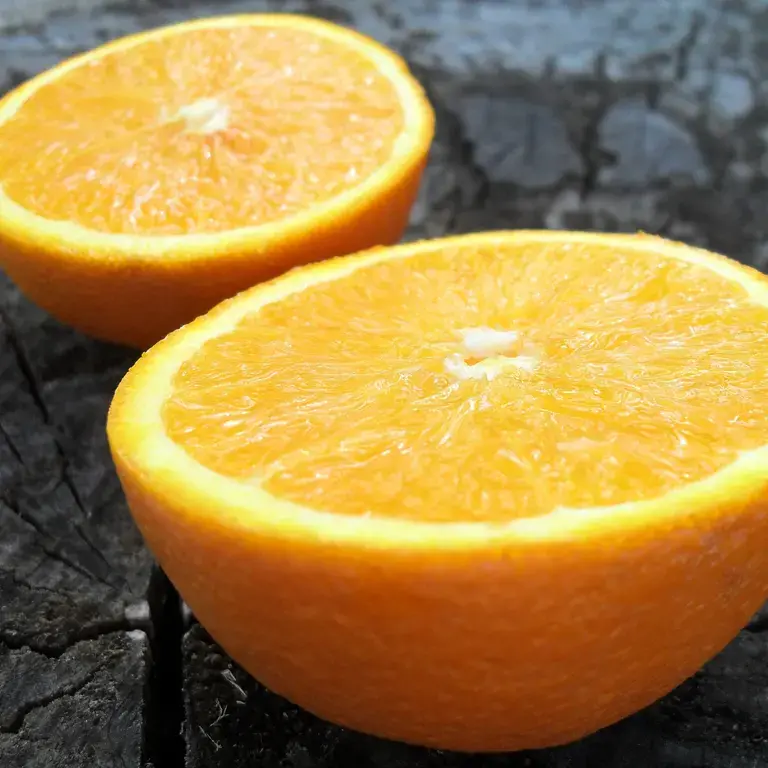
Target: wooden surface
x=595 y=114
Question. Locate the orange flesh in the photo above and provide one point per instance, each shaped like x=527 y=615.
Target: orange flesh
x=645 y=373
x=200 y=132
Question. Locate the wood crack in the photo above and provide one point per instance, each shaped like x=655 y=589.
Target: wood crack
x=111 y=578
x=593 y=156
x=462 y=154
x=17 y=723
x=41 y=539
x=163 y=743
x=682 y=54
x=55 y=651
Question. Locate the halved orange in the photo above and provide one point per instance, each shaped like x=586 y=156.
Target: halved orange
x=145 y=181
x=490 y=492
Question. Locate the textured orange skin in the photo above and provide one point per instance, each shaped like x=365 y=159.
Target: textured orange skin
x=518 y=646
x=137 y=301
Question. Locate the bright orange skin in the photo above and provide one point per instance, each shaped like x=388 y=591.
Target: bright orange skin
x=136 y=303
x=491 y=650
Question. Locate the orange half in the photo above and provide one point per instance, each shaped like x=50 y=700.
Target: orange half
x=145 y=181
x=491 y=492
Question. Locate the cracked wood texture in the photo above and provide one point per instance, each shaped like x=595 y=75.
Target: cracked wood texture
x=592 y=114
x=82 y=707
x=74 y=577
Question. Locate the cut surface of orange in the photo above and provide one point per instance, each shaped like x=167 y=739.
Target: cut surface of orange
x=185 y=163
x=490 y=492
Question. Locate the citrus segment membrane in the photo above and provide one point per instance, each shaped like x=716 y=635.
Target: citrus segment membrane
x=483 y=383
x=202 y=131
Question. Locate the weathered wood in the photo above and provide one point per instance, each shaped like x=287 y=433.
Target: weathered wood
x=81 y=709
x=594 y=114
x=74 y=576
x=71 y=562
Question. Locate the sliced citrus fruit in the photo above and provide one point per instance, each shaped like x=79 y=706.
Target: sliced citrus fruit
x=145 y=181
x=490 y=492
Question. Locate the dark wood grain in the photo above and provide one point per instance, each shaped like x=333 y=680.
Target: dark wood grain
x=71 y=562
x=78 y=709
x=74 y=576
x=593 y=114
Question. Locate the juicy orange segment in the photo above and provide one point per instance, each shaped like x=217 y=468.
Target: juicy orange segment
x=493 y=492
x=147 y=180
x=205 y=131
x=483 y=382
